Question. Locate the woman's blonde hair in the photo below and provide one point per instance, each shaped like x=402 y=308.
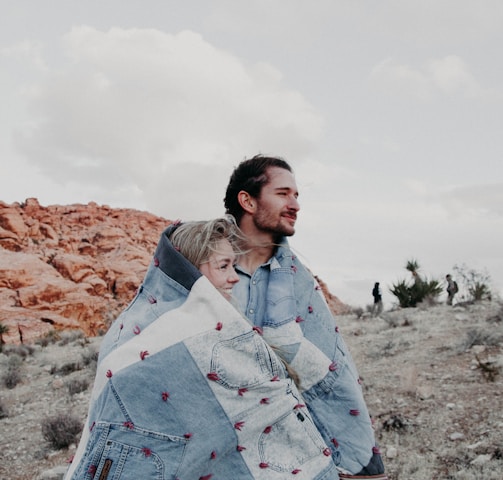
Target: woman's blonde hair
x=197 y=240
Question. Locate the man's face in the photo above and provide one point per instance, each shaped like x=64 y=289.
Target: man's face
x=277 y=204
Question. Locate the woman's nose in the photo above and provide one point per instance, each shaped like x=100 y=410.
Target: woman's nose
x=233 y=277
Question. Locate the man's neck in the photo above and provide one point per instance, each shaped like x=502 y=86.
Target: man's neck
x=255 y=256
x=260 y=247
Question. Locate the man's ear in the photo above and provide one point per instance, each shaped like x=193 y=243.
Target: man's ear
x=246 y=201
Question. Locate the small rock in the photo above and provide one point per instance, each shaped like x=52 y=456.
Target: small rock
x=58 y=383
x=391 y=452
x=478 y=349
x=473 y=446
x=451 y=406
x=56 y=473
x=424 y=392
x=481 y=459
x=456 y=436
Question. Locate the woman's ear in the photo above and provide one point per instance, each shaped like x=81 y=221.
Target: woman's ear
x=246 y=201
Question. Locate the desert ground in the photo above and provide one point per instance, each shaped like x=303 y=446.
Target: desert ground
x=432 y=378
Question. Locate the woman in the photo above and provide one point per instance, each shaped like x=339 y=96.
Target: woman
x=185 y=387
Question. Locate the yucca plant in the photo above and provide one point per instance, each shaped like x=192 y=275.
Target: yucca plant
x=410 y=295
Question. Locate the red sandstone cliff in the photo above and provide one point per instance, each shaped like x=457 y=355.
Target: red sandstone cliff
x=74 y=266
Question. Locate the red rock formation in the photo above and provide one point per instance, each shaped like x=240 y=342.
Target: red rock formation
x=74 y=266
x=336 y=306
x=67 y=267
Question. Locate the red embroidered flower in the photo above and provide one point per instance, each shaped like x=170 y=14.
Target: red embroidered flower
x=239 y=425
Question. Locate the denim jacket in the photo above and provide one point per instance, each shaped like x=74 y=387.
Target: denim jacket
x=283 y=298
x=186 y=389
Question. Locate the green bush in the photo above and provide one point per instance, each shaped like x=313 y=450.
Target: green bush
x=410 y=294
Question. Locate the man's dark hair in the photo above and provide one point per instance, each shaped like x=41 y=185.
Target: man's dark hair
x=250 y=175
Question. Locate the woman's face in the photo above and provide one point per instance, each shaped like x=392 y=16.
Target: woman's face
x=219 y=269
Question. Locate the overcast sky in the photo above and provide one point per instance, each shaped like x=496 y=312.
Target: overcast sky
x=390 y=112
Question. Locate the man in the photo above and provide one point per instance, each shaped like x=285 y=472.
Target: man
x=376 y=293
x=281 y=297
x=452 y=289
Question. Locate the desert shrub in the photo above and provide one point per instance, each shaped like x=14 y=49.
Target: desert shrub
x=77 y=385
x=479 y=336
x=22 y=351
x=3 y=330
x=11 y=377
x=410 y=295
x=90 y=358
x=498 y=318
x=3 y=409
x=475 y=283
x=420 y=290
x=70 y=337
x=51 y=337
x=66 y=368
x=61 y=430
x=396 y=422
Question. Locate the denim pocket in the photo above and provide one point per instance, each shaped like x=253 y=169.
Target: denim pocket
x=290 y=442
x=116 y=452
x=244 y=361
x=280 y=299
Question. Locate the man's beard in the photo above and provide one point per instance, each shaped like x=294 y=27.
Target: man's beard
x=277 y=229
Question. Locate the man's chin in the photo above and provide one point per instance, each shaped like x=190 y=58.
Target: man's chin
x=284 y=232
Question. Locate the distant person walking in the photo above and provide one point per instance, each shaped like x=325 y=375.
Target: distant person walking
x=376 y=293
x=452 y=289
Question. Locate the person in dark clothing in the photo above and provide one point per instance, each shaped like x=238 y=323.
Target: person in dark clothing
x=377 y=307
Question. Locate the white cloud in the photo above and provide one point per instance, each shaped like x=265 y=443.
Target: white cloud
x=389 y=74
x=27 y=49
x=144 y=108
x=449 y=75
x=475 y=200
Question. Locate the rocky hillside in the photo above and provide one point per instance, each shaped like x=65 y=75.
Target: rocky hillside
x=74 y=266
x=70 y=267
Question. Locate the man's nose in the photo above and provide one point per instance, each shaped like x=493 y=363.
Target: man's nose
x=294 y=204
